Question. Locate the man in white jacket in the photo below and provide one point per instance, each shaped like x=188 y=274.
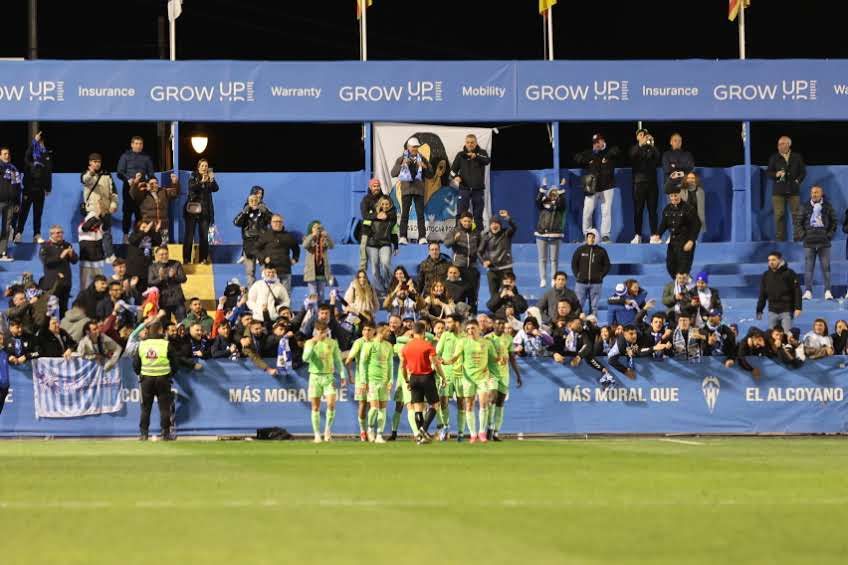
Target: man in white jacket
x=269 y=294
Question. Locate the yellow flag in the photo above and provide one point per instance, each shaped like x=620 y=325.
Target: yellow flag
x=367 y=4
x=545 y=5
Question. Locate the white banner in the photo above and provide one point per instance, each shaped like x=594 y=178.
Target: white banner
x=74 y=388
x=439 y=144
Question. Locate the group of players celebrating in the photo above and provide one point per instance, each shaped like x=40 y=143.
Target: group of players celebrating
x=454 y=361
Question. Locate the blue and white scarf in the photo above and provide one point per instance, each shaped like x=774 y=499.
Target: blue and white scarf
x=816 y=220
x=284 y=356
x=718 y=346
x=38 y=150
x=405 y=173
x=688 y=347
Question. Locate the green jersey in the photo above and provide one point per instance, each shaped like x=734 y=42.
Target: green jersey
x=377 y=357
x=503 y=349
x=357 y=352
x=324 y=357
x=446 y=349
x=476 y=356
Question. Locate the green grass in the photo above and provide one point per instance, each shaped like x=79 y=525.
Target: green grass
x=598 y=501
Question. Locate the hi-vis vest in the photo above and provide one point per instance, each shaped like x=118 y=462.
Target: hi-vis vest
x=154 y=357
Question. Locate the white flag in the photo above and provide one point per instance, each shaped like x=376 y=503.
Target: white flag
x=175 y=8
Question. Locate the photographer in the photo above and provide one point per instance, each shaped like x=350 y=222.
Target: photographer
x=469 y=172
x=39 y=183
x=598 y=183
x=267 y=295
x=254 y=221
x=644 y=158
x=787 y=169
x=550 y=230
x=133 y=167
x=411 y=169
x=676 y=162
x=508 y=295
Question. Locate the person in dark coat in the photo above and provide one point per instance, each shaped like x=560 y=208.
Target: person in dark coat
x=133 y=167
x=279 y=249
x=676 y=162
x=38 y=182
x=57 y=256
x=495 y=249
x=143 y=242
x=644 y=158
x=469 y=170
x=53 y=341
x=682 y=222
x=199 y=212
x=787 y=169
x=781 y=288
x=550 y=229
x=254 y=220
x=598 y=184
x=168 y=276
x=589 y=265
x=815 y=225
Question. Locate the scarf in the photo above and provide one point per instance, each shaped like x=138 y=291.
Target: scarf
x=38 y=150
x=571 y=341
x=284 y=356
x=198 y=345
x=404 y=309
x=657 y=339
x=18 y=345
x=705 y=297
x=406 y=174
x=319 y=257
x=719 y=344
x=687 y=345
x=816 y=217
x=11 y=173
x=533 y=345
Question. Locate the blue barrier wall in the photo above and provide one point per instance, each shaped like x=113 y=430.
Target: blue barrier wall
x=334 y=198
x=668 y=397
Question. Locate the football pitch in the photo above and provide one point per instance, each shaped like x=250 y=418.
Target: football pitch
x=640 y=500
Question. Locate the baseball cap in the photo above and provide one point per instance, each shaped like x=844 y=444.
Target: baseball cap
x=715 y=312
x=413 y=142
x=620 y=289
x=95 y=157
x=598 y=137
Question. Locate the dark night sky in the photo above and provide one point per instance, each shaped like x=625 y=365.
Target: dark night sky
x=439 y=30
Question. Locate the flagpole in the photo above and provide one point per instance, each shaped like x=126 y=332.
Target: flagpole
x=554 y=125
x=745 y=234
x=363 y=56
x=175 y=125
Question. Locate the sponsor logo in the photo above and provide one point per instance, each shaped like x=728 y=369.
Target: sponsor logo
x=105 y=92
x=711 y=387
x=795 y=394
x=603 y=90
x=619 y=394
x=279 y=91
x=668 y=91
x=484 y=91
x=798 y=89
x=223 y=91
x=257 y=395
x=37 y=90
x=412 y=91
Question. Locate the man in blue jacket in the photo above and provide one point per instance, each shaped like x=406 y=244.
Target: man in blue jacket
x=133 y=167
x=629 y=304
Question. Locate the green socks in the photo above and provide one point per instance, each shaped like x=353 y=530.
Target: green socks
x=484 y=420
x=362 y=424
x=470 y=422
x=498 y=419
x=372 y=418
x=381 y=420
x=331 y=417
x=316 y=421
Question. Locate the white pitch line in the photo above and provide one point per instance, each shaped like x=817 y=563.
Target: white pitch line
x=682 y=441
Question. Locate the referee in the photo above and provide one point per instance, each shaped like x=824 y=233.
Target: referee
x=155 y=363
x=418 y=361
